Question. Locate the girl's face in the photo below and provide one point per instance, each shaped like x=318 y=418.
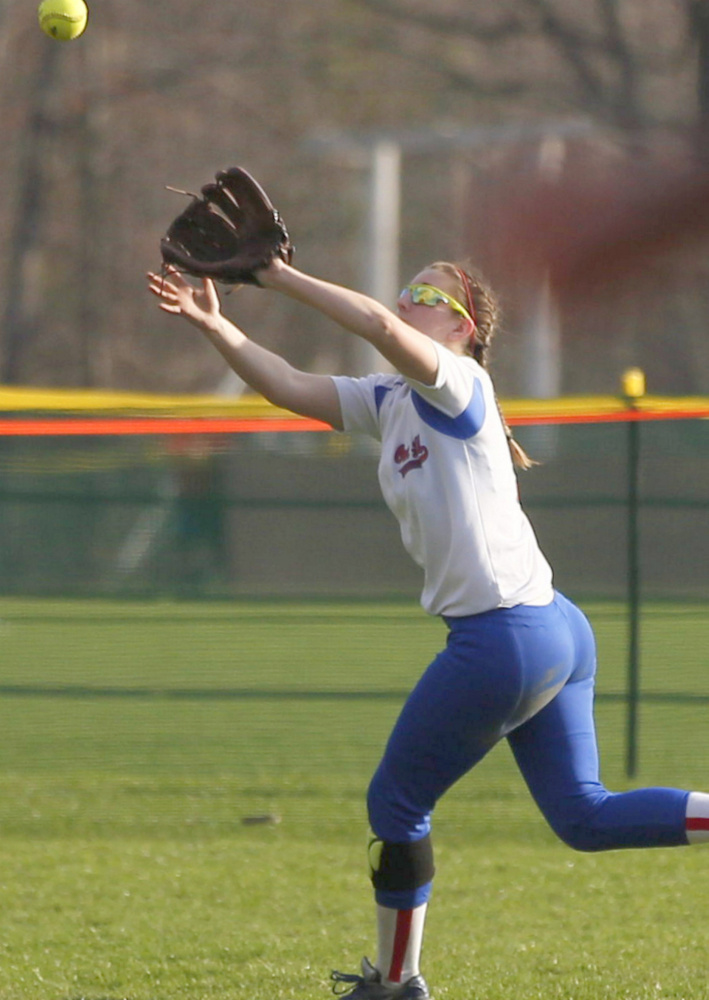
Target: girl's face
x=439 y=320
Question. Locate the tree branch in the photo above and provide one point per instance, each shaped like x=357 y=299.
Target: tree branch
x=627 y=102
x=567 y=42
x=461 y=80
x=448 y=24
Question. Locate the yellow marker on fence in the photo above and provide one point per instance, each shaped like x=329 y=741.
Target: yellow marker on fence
x=633 y=382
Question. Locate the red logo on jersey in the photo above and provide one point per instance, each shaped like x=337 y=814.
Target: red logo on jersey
x=411 y=458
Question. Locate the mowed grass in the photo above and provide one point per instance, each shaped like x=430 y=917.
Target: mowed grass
x=135 y=739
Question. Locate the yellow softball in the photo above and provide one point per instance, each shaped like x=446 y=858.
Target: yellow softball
x=63 y=19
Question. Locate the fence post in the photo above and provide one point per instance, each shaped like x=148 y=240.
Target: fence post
x=633 y=386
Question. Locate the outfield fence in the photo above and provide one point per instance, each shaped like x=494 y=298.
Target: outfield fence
x=122 y=496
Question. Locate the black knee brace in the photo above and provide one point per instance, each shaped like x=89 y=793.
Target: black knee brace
x=400 y=867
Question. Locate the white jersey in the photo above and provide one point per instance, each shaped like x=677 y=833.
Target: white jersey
x=446 y=473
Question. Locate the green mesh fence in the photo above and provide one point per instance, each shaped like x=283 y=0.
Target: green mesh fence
x=184 y=522
x=300 y=514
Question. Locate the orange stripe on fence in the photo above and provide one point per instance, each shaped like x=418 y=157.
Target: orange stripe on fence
x=65 y=426
x=96 y=426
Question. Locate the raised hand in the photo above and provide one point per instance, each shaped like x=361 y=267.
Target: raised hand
x=198 y=303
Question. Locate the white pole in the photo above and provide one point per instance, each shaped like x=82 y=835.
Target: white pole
x=542 y=363
x=381 y=265
x=543 y=329
x=543 y=356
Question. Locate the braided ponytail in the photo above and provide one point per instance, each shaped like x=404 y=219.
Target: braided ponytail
x=484 y=307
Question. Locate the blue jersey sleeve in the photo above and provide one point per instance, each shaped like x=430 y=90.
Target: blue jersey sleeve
x=361 y=400
x=455 y=403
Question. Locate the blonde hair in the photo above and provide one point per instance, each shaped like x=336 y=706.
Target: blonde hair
x=482 y=303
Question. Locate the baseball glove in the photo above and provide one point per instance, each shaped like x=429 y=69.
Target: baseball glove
x=229 y=232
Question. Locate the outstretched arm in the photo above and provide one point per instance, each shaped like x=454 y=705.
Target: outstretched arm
x=409 y=351
x=301 y=392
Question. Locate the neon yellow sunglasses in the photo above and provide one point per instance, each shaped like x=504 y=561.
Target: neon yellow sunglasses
x=429 y=295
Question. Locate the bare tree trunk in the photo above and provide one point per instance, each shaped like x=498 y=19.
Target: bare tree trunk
x=19 y=320
x=89 y=210
x=699 y=23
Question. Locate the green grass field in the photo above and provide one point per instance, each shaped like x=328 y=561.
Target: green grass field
x=135 y=739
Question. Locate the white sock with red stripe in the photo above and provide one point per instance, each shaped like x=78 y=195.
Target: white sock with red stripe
x=400 y=934
x=697 y=818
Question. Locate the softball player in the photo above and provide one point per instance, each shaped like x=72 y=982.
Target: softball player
x=520 y=660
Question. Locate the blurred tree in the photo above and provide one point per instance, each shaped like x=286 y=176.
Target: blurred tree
x=153 y=94
x=699 y=22
x=610 y=54
x=25 y=216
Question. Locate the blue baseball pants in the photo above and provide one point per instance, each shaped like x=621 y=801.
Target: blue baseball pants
x=525 y=674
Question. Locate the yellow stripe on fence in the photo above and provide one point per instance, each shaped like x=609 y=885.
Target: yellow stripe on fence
x=107 y=403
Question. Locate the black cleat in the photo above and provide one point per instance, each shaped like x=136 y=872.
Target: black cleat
x=369 y=986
